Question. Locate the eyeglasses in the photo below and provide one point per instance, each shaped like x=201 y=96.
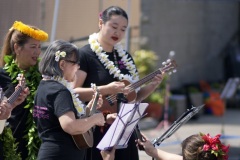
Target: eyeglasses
x=70 y=61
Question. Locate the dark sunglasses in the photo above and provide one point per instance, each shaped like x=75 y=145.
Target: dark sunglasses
x=73 y=62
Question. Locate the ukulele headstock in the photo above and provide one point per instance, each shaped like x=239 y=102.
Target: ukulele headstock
x=94 y=87
x=169 y=66
x=21 y=81
x=95 y=100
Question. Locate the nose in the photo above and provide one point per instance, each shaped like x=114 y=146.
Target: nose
x=116 y=33
x=38 y=51
x=78 y=66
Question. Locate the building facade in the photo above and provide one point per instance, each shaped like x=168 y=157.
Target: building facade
x=198 y=31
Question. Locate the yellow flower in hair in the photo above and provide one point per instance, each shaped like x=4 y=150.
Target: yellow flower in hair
x=31 y=32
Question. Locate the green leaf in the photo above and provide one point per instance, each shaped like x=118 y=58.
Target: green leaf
x=33 y=78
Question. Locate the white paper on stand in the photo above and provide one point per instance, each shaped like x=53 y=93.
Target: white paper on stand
x=122 y=128
x=2 y=125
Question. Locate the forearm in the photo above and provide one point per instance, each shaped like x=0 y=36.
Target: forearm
x=83 y=125
x=162 y=155
x=74 y=126
x=85 y=94
x=145 y=91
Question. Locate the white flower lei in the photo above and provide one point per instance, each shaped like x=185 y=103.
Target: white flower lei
x=96 y=47
x=80 y=107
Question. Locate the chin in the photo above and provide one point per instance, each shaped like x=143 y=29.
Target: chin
x=70 y=79
x=33 y=63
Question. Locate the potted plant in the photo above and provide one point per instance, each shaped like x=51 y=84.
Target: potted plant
x=146 y=61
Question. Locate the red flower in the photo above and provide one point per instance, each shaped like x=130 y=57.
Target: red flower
x=214 y=145
x=206 y=147
x=225 y=148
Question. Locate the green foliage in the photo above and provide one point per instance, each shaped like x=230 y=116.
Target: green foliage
x=9 y=145
x=33 y=78
x=192 y=89
x=157 y=97
x=145 y=61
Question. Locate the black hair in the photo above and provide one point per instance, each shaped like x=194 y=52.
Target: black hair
x=48 y=65
x=113 y=10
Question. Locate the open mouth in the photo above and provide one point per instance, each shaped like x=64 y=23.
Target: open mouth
x=115 y=38
x=34 y=58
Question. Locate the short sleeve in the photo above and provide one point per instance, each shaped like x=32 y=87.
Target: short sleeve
x=63 y=103
x=6 y=83
x=83 y=55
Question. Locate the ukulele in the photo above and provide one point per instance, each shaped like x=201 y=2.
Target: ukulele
x=109 y=102
x=85 y=140
x=21 y=85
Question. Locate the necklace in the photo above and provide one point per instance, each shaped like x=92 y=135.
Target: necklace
x=115 y=58
x=33 y=78
x=80 y=107
x=113 y=70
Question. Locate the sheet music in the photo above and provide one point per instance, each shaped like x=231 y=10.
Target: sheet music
x=122 y=128
x=2 y=125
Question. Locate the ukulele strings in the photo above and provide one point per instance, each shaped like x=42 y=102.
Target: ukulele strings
x=133 y=86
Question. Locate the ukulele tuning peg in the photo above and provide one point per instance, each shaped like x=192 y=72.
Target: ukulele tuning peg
x=172 y=53
x=169 y=60
x=169 y=73
x=174 y=71
x=164 y=63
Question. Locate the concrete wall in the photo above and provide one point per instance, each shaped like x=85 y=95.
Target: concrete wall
x=76 y=18
x=27 y=11
x=196 y=30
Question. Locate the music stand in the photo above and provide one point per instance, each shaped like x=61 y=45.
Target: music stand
x=230 y=88
x=177 y=124
x=123 y=126
x=228 y=92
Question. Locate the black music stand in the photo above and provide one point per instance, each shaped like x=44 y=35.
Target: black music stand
x=177 y=124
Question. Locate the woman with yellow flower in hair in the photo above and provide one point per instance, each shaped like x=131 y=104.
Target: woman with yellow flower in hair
x=20 y=53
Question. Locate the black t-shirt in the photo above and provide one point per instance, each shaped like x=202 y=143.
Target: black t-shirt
x=17 y=112
x=19 y=115
x=5 y=81
x=96 y=71
x=98 y=74
x=52 y=100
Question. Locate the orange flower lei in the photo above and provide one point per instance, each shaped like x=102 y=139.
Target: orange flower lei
x=214 y=145
x=34 y=33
